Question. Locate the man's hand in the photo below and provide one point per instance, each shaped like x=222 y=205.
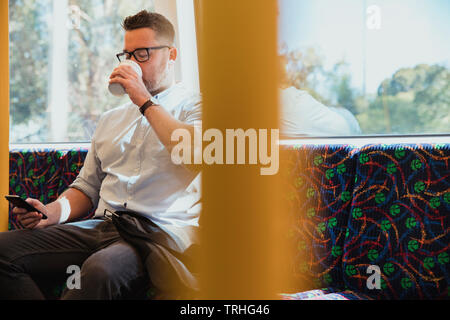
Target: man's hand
x=33 y=220
x=132 y=83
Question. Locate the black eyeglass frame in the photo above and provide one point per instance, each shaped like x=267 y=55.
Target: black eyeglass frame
x=132 y=53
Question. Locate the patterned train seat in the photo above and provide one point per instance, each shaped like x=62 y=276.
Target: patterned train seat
x=42 y=174
x=385 y=206
x=399 y=222
x=320 y=181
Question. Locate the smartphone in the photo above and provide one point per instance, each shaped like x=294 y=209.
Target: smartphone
x=20 y=203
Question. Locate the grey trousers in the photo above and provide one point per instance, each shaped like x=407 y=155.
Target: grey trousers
x=109 y=266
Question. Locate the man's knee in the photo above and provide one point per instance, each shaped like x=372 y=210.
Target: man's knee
x=97 y=271
x=103 y=277
x=95 y=282
x=105 y=268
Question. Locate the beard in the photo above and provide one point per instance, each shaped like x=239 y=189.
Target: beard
x=152 y=85
x=159 y=83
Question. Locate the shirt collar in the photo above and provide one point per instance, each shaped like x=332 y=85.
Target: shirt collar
x=164 y=93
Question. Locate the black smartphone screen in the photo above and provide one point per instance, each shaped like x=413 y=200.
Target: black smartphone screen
x=20 y=203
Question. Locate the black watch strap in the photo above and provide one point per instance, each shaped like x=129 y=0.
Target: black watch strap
x=146 y=105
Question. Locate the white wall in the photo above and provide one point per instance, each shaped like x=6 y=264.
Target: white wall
x=181 y=14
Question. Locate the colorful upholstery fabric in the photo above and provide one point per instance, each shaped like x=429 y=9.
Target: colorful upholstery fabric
x=331 y=296
x=343 y=295
x=42 y=174
x=320 y=181
x=324 y=294
x=399 y=221
x=397 y=212
x=350 y=208
x=306 y=294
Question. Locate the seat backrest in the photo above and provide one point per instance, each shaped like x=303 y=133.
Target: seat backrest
x=42 y=174
x=320 y=180
x=399 y=222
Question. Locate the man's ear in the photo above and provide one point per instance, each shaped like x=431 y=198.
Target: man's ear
x=173 y=54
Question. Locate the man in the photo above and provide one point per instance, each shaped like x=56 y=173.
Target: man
x=302 y=115
x=128 y=168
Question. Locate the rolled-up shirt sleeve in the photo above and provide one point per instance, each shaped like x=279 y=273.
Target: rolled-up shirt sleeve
x=193 y=114
x=90 y=178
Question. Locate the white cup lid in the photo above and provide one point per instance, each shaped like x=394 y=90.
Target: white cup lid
x=134 y=65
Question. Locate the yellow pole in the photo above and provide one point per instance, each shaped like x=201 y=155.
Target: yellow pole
x=242 y=211
x=4 y=113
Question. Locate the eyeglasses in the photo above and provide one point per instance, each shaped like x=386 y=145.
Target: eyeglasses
x=140 y=54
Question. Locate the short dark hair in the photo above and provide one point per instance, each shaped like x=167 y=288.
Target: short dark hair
x=155 y=21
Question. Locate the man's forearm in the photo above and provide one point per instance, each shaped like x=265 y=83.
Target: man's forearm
x=164 y=124
x=72 y=204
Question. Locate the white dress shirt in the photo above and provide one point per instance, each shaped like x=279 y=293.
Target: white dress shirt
x=128 y=168
x=302 y=115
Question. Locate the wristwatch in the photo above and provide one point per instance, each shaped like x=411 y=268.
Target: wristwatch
x=150 y=102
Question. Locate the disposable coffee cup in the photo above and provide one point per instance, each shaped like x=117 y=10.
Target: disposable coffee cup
x=116 y=88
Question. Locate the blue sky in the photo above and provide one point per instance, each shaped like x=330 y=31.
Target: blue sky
x=411 y=32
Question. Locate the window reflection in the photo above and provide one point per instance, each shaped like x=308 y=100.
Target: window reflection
x=383 y=66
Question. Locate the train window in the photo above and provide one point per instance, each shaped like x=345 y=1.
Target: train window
x=351 y=68
x=365 y=67
x=61 y=55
